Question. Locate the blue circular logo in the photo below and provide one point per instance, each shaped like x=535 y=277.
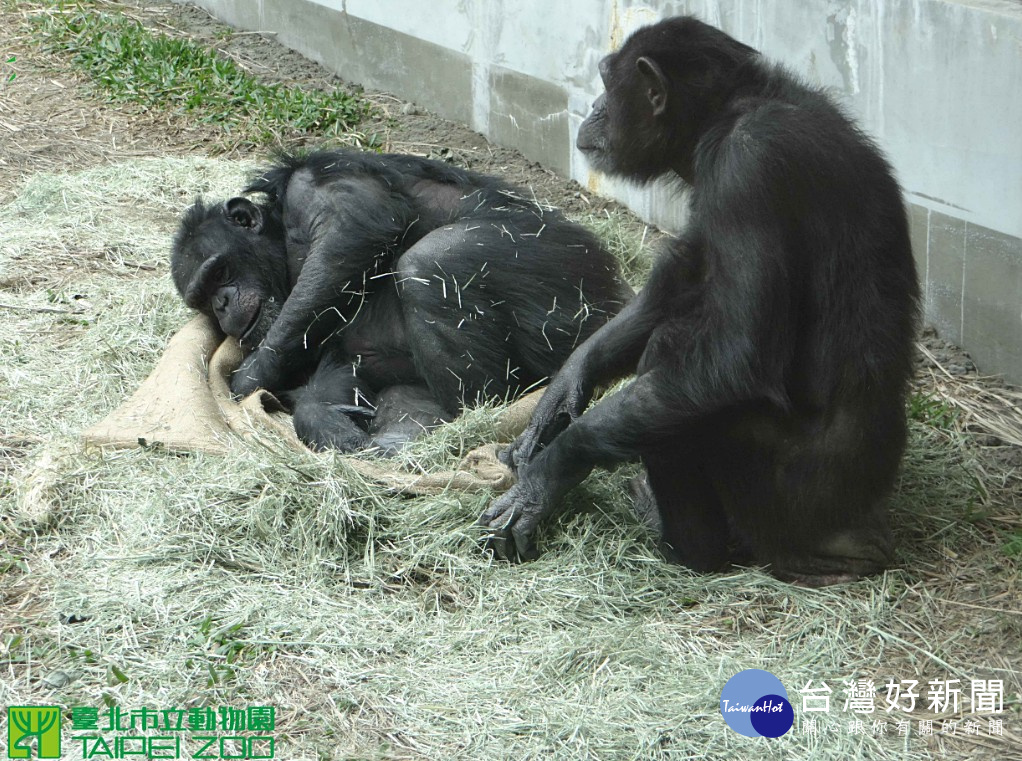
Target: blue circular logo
x=754 y=703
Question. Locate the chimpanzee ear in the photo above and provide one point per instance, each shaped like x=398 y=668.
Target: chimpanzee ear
x=244 y=213
x=655 y=83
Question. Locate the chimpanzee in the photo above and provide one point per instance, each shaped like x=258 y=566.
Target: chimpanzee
x=773 y=342
x=387 y=290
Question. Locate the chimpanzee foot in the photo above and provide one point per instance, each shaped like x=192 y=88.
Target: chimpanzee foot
x=389 y=444
x=510 y=522
x=846 y=556
x=324 y=426
x=644 y=505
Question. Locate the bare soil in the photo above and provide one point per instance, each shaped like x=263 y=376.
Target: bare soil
x=406 y=127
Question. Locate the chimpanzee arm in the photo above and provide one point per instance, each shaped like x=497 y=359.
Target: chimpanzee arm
x=354 y=229
x=724 y=343
x=675 y=285
x=612 y=431
x=610 y=353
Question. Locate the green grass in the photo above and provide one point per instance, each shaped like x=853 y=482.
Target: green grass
x=129 y=63
x=928 y=409
x=1013 y=544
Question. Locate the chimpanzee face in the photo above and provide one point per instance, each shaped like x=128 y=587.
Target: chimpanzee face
x=228 y=262
x=661 y=88
x=624 y=134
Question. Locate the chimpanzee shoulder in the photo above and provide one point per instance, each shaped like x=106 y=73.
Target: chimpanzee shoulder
x=469 y=193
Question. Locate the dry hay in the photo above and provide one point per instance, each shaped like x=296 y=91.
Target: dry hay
x=372 y=622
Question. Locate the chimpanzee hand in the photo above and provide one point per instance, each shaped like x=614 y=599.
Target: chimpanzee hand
x=511 y=520
x=260 y=369
x=563 y=401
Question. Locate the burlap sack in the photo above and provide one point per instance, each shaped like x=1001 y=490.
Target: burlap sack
x=185 y=405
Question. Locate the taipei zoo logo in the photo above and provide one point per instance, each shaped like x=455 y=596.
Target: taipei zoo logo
x=754 y=703
x=33 y=728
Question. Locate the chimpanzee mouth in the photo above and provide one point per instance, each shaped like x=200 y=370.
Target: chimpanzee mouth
x=243 y=338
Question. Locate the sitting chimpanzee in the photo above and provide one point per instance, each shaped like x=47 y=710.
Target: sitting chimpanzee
x=388 y=291
x=773 y=342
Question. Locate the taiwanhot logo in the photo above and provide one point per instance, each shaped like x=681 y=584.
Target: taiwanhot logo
x=754 y=703
x=33 y=728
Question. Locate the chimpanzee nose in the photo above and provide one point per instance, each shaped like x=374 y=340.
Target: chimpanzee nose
x=220 y=301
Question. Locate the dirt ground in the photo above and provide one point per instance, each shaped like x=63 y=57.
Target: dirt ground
x=50 y=127
x=50 y=122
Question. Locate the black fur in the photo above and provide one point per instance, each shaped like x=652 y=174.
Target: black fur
x=384 y=292
x=773 y=343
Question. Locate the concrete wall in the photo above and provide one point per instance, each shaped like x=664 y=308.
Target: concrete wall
x=938 y=82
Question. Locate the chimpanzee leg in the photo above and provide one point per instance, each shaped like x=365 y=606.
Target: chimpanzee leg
x=453 y=317
x=403 y=414
x=694 y=526
x=806 y=504
x=780 y=490
x=333 y=410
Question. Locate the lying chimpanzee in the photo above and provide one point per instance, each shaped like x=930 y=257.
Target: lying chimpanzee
x=773 y=343
x=387 y=291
